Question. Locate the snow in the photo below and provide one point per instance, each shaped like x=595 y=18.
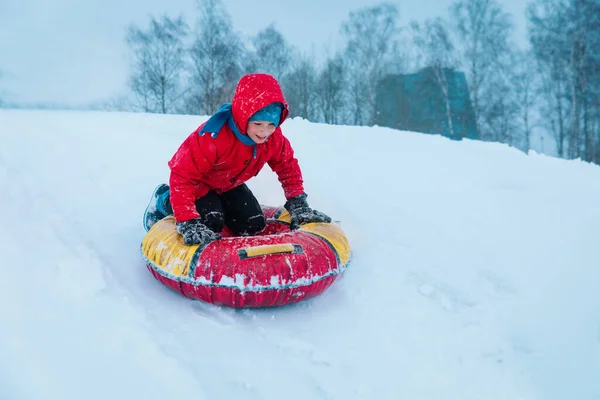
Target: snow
x=474 y=274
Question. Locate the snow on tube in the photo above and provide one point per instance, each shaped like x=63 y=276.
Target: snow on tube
x=273 y=268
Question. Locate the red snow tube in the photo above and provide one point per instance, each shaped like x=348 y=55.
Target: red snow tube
x=273 y=268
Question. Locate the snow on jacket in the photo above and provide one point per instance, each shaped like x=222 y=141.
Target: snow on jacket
x=221 y=162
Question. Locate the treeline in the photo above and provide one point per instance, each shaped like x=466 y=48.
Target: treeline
x=553 y=86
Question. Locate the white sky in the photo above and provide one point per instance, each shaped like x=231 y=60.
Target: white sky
x=73 y=51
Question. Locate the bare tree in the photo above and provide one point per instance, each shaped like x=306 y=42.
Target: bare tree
x=500 y=111
x=330 y=89
x=565 y=38
x=584 y=63
x=526 y=90
x=370 y=34
x=300 y=88
x=158 y=63
x=216 y=54
x=546 y=41
x=482 y=28
x=117 y=103
x=397 y=58
x=434 y=47
x=272 y=54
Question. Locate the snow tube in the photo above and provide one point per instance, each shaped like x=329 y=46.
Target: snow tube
x=273 y=268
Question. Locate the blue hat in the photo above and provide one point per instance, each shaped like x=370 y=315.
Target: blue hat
x=271 y=113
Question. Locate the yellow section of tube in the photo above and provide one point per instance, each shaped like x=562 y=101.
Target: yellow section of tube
x=268 y=249
x=334 y=235
x=331 y=232
x=285 y=216
x=164 y=247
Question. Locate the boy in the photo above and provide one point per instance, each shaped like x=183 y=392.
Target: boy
x=207 y=189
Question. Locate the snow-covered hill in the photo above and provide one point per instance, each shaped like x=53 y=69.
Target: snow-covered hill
x=476 y=271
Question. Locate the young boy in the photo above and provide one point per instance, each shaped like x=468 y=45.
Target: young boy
x=208 y=171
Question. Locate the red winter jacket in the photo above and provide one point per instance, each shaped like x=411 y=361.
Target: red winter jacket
x=205 y=163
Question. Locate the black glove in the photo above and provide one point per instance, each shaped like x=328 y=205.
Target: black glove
x=301 y=213
x=195 y=232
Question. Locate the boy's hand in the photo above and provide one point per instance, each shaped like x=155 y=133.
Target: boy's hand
x=195 y=232
x=301 y=213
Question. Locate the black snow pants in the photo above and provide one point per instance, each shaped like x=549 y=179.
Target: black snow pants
x=237 y=209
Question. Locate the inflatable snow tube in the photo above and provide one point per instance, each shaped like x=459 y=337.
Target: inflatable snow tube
x=273 y=268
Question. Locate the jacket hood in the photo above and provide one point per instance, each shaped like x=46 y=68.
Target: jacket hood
x=253 y=92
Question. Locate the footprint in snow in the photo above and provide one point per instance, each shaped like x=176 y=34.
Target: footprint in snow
x=215 y=314
x=499 y=286
x=444 y=296
x=223 y=316
x=302 y=349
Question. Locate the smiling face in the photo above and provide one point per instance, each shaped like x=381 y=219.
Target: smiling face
x=259 y=131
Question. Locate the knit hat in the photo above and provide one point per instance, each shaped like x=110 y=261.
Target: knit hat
x=271 y=113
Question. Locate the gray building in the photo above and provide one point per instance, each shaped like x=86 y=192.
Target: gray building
x=416 y=102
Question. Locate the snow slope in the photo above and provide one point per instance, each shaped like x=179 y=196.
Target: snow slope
x=475 y=271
